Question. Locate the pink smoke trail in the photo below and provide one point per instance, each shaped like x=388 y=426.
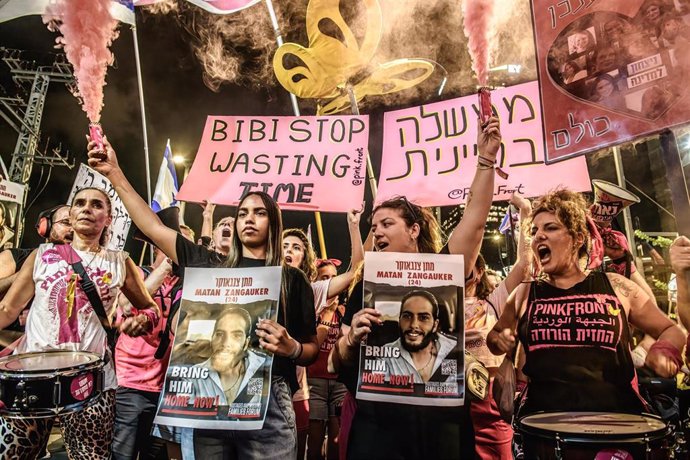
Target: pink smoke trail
x=87 y=30
x=477 y=17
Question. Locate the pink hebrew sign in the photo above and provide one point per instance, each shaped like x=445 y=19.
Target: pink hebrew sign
x=430 y=152
x=304 y=163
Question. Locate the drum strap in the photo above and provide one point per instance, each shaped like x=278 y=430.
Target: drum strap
x=71 y=257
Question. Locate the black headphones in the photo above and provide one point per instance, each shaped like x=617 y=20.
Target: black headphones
x=45 y=221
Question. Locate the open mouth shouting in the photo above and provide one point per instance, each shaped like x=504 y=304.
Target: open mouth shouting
x=288 y=260
x=544 y=253
x=226 y=233
x=381 y=245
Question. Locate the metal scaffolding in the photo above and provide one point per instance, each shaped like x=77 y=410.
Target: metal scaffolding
x=24 y=112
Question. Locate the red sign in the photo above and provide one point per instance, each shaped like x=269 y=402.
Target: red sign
x=610 y=71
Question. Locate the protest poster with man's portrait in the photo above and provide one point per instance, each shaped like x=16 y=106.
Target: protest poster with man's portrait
x=417 y=355
x=11 y=196
x=219 y=377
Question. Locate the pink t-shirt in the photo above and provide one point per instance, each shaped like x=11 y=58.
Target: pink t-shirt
x=135 y=363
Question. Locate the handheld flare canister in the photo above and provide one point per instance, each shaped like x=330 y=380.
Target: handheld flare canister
x=96 y=134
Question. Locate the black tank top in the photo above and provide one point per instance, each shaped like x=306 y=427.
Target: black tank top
x=577 y=345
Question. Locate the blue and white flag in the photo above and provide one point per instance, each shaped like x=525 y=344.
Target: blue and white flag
x=505 y=223
x=123 y=11
x=166 y=186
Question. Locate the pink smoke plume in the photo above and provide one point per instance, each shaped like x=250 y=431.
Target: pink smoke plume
x=477 y=18
x=87 y=30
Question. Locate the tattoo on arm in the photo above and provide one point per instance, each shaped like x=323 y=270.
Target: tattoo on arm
x=624 y=289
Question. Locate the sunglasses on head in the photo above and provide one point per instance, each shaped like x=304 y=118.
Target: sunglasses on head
x=409 y=206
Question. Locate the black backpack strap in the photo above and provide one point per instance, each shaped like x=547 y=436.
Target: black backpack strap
x=164 y=335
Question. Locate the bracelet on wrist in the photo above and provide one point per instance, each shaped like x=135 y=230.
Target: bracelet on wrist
x=298 y=350
x=485 y=161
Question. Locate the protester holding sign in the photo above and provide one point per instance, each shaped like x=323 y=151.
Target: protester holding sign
x=573 y=323
x=385 y=430
x=63 y=317
x=292 y=338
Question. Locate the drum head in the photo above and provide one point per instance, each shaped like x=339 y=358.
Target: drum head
x=593 y=423
x=39 y=362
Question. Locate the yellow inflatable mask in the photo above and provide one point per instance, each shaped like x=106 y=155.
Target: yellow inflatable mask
x=330 y=64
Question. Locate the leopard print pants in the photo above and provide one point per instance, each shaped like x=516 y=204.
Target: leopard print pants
x=88 y=434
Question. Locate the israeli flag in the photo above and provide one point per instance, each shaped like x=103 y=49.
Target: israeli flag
x=123 y=11
x=505 y=225
x=166 y=186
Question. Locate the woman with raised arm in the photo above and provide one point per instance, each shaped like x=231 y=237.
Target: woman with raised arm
x=299 y=253
x=385 y=430
x=256 y=242
x=62 y=318
x=573 y=322
x=483 y=307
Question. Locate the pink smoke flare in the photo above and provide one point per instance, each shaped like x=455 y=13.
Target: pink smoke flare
x=477 y=17
x=87 y=30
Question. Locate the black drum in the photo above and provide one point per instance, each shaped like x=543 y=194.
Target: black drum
x=594 y=436
x=51 y=383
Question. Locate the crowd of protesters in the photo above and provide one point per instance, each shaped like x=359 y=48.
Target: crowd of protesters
x=313 y=411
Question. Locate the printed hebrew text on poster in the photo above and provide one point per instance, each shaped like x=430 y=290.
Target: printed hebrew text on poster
x=304 y=163
x=430 y=151
x=610 y=71
x=417 y=355
x=218 y=377
x=119 y=227
x=11 y=197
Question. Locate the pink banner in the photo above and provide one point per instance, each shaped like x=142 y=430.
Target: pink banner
x=305 y=163
x=430 y=151
x=610 y=70
x=223 y=6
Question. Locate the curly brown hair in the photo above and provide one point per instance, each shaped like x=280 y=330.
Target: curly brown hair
x=571 y=209
x=308 y=265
